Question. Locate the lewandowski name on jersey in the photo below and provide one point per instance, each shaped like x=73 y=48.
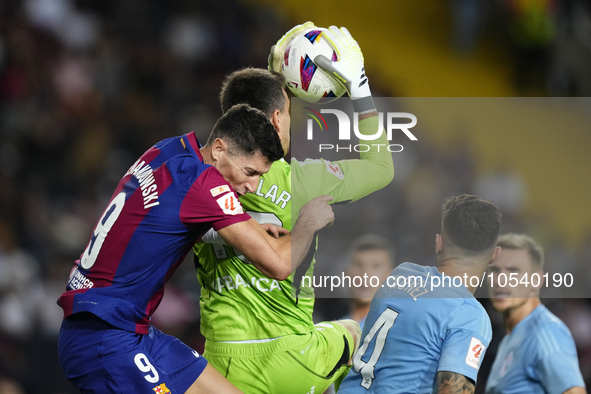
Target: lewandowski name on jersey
x=145 y=176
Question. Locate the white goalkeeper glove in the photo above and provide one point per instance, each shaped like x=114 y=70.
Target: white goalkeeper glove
x=278 y=50
x=349 y=69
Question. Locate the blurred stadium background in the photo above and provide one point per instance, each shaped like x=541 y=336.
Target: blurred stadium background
x=87 y=86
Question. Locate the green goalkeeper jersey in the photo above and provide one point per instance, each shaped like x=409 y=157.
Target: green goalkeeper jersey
x=240 y=303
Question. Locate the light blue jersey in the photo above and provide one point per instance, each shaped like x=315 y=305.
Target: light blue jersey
x=539 y=356
x=412 y=332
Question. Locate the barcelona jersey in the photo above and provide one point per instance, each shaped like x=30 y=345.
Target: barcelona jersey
x=164 y=203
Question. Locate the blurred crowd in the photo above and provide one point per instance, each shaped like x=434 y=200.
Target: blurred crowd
x=547 y=41
x=87 y=86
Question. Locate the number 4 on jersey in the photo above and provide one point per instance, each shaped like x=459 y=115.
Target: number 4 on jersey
x=381 y=327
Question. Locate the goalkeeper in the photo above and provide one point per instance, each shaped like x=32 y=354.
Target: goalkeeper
x=260 y=334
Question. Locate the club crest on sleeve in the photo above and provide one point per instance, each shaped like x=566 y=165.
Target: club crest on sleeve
x=230 y=204
x=475 y=353
x=216 y=191
x=334 y=169
x=161 y=389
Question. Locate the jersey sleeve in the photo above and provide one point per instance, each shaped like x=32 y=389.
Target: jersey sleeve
x=467 y=335
x=558 y=366
x=346 y=180
x=211 y=199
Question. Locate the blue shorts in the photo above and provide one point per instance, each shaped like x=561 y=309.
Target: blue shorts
x=100 y=358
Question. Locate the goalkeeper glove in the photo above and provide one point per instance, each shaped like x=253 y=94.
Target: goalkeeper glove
x=349 y=69
x=278 y=50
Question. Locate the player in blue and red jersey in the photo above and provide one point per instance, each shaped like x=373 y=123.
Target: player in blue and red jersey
x=165 y=202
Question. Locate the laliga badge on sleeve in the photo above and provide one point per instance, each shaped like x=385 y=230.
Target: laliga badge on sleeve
x=334 y=169
x=230 y=204
x=475 y=352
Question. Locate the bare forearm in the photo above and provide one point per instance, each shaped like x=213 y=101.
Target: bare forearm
x=453 y=383
x=292 y=249
x=272 y=256
x=276 y=258
x=269 y=255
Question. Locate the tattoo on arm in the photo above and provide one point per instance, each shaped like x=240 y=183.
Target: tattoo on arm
x=453 y=383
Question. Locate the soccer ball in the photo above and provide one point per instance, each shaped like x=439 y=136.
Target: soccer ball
x=303 y=77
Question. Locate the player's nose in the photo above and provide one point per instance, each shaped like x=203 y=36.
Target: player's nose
x=249 y=186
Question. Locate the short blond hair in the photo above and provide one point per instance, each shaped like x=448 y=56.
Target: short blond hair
x=514 y=241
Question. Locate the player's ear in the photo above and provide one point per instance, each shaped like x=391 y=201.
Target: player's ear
x=495 y=255
x=438 y=244
x=218 y=148
x=276 y=120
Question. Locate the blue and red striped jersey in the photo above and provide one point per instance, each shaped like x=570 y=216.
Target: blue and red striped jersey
x=164 y=203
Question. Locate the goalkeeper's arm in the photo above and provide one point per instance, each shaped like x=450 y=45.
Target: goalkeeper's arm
x=345 y=180
x=375 y=170
x=348 y=180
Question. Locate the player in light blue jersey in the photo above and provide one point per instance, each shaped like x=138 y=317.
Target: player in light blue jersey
x=372 y=255
x=538 y=354
x=425 y=331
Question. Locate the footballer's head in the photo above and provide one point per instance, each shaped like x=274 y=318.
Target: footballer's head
x=243 y=145
x=371 y=255
x=261 y=89
x=470 y=227
x=521 y=257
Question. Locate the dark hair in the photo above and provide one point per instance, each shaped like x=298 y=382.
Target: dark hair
x=373 y=242
x=257 y=87
x=471 y=223
x=247 y=130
